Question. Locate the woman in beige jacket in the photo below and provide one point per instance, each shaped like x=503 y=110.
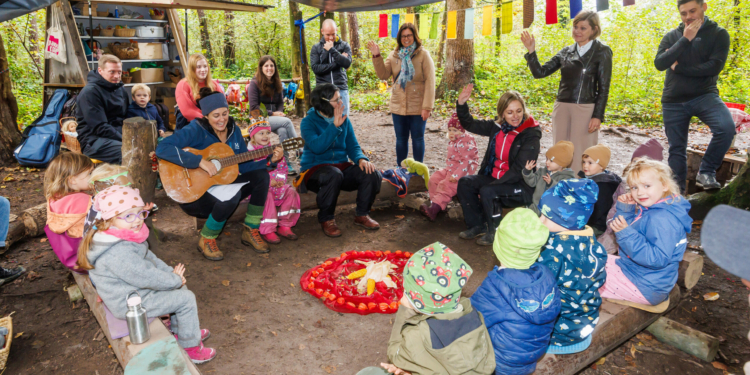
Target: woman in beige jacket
x=413 y=94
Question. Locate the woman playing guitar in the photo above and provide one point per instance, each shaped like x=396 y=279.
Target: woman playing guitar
x=219 y=202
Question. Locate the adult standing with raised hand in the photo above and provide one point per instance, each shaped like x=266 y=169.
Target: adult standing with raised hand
x=187 y=96
x=585 y=74
x=413 y=94
x=329 y=60
x=693 y=55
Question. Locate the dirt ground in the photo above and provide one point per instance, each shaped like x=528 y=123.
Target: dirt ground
x=262 y=323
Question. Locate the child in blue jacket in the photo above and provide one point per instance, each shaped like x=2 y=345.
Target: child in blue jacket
x=651 y=226
x=140 y=107
x=576 y=259
x=520 y=300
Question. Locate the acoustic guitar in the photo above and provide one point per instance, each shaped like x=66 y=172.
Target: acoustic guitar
x=186 y=185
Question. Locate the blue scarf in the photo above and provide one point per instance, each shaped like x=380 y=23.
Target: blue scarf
x=407 y=68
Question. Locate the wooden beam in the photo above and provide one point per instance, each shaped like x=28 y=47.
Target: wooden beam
x=179 y=38
x=690 y=341
x=191 y=4
x=76 y=69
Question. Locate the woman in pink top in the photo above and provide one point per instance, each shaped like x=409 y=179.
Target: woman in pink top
x=187 y=90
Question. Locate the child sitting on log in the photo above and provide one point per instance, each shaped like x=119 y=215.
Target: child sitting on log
x=66 y=187
x=102 y=177
x=140 y=107
x=594 y=167
x=116 y=254
x=576 y=259
x=555 y=170
x=519 y=300
x=462 y=160
x=651 y=226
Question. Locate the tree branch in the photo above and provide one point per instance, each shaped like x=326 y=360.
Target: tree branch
x=23 y=43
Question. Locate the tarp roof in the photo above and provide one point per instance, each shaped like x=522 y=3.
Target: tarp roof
x=363 y=5
x=10 y=9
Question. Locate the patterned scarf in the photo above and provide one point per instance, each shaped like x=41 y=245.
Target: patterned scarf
x=507 y=128
x=407 y=68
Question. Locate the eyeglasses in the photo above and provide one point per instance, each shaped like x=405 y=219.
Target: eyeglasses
x=129 y=218
x=407 y=36
x=339 y=100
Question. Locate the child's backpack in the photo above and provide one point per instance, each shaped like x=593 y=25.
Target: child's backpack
x=69 y=108
x=290 y=90
x=42 y=138
x=163 y=112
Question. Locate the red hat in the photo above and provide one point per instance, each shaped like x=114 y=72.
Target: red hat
x=454 y=123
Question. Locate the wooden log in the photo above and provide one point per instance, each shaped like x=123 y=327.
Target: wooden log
x=691 y=268
x=617 y=324
x=691 y=341
x=30 y=223
x=139 y=141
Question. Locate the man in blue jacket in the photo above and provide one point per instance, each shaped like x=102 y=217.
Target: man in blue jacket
x=329 y=157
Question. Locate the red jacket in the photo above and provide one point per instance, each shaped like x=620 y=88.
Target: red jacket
x=503 y=144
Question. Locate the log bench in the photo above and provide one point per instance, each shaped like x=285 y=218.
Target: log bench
x=730 y=167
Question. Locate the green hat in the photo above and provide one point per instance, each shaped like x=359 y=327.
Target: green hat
x=519 y=238
x=433 y=278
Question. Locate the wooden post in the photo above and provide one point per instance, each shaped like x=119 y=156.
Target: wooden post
x=682 y=337
x=690 y=270
x=138 y=141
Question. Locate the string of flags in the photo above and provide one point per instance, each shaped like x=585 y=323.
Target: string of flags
x=428 y=22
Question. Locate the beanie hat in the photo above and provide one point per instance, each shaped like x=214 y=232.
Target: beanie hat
x=454 y=123
x=212 y=102
x=600 y=153
x=115 y=200
x=570 y=203
x=258 y=124
x=433 y=278
x=561 y=153
x=519 y=239
x=651 y=149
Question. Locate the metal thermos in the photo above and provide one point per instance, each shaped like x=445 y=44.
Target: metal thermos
x=137 y=320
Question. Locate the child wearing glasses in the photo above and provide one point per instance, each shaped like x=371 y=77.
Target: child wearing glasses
x=102 y=177
x=116 y=254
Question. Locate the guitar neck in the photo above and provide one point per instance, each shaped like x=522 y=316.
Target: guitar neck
x=247 y=156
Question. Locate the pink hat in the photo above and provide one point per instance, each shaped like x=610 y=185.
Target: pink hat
x=258 y=125
x=454 y=123
x=115 y=200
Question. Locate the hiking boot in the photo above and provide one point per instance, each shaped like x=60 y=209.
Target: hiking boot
x=287 y=233
x=204 y=334
x=210 y=249
x=200 y=354
x=271 y=238
x=8 y=275
x=330 y=228
x=472 y=233
x=366 y=222
x=708 y=182
x=252 y=237
x=486 y=240
x=430 y=211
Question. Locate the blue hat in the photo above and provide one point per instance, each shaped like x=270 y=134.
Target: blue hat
x=212 y=102
x=570 y=203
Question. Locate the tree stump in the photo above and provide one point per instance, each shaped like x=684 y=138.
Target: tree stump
x=736 y=194
x=691 y=268
x=682 y=337
x=28 y=224
x=138 y=141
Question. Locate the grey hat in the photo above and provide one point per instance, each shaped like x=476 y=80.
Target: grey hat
x=725 y=237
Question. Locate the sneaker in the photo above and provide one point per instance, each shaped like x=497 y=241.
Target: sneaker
x=8 y=275
x=472 y=233
x=486 y=240
x=708 y=182
x=287 y=233
x=210 y=249
x=291 y=171
x=204 y=334
x=271 y=238
x=252 y=237
x=200 y=354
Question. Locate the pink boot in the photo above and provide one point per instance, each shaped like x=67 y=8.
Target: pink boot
x=200 y=354
x=204 y=334
x=431 y=211
x=272 y=238
x=287 y=233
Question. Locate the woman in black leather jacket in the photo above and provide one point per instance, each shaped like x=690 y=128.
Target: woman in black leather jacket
x=586 y=70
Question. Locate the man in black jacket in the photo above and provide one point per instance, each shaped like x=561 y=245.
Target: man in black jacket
x=330 y=59
x=693 y=55
x=102 y=106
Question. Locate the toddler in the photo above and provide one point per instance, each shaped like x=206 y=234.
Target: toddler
x=594 y=167
x=116 y=254
x=520 y=300
x=140 y=107
x=102 y=177
x=282 y=208
x=651 y=226
x=463 y=160
x=576 y=260
x=556 y=169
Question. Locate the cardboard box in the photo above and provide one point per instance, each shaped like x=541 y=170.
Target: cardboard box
x=148 y=75
x=170 y=102
x=85 y=9
x=150 y=51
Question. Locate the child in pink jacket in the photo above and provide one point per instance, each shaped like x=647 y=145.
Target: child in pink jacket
x=463 y=160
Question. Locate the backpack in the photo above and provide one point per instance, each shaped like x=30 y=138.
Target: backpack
x=163 y=112
x=180 y=120
x=42 y=138
x=69 y=108
x=290 y=91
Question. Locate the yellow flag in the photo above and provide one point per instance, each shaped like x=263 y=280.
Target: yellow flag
x=409 y=18
x=487 y=20
x=424 y=25
x=507 y=17
x=451 y=25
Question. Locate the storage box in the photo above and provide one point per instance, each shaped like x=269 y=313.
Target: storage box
x=170 y=102
x=148 y=75
x=85 y=9
x=150 y=51
x=149 y=31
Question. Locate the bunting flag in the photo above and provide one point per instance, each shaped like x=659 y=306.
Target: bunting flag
x=602 y=5
x=528 y=13
x=628 y=2
x=409 y=18
x=469 y=24
x=551 y=14
x=394 y=25
x=487 y=20
x=507 y=19
x=424 y=26
x=450 y=27
x=383 y=29
x=434 y=26
x=575 y=7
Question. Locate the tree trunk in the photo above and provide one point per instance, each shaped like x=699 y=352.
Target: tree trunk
x=326 y=16
x=682 y=337
x=34 y=40
x=136 y=155
x=735 y=193
x=441 y=48
x=205 y=41
x=353 y=33
x=342 y=26
x=10 y=137
x=299 y=70
x=498 y=29
x=229 y=58
x=459 y=56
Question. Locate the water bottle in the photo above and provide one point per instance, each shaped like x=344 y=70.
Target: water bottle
x=117 y=12
x=137 y=320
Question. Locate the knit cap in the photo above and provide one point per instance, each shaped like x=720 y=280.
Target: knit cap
x=519 y=239
x=561 y=153
x=651 y=149
x=454 y=123
x=570 y=203
x=257 y=125
x=212 y=102
x=115 y=200
x=600 y=153
x=433 y=279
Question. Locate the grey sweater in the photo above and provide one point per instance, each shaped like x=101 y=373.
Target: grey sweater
x=536 y=181
x=121 y=267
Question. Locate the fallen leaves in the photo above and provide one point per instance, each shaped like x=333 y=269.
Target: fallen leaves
x=399 y=217
x=216 y=268
x=18 y=335
x=43 y=240
x=238 y=318
x=225 y=283
x=720 y=366
x=633 y=350
x=601 y=361
x=249 y=264
x=713 y=296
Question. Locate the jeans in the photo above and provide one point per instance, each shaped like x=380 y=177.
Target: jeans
x=713 y=112
x=483 y=199
x=283 y=127
x=207 y=204
x=405 y=125
x=345 y=100
x=4 y=220
x=328 y=181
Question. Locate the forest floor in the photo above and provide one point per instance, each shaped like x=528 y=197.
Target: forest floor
x=263 y=323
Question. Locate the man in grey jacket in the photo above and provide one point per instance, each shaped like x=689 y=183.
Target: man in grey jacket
x=330 y=58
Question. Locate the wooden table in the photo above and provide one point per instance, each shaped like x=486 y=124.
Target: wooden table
x=729 y=168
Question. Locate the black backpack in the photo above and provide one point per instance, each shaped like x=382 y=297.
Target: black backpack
x=163 y=112
x=69 y=108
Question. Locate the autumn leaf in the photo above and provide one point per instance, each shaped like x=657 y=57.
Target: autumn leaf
x=720 y=366
x=43 y=240
x=225 y=283
x=601 y=361
x=713 y=296
x=399 y=217
x=18 y=335
x=9 y=178
x=249 y=264
x=633 y=350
